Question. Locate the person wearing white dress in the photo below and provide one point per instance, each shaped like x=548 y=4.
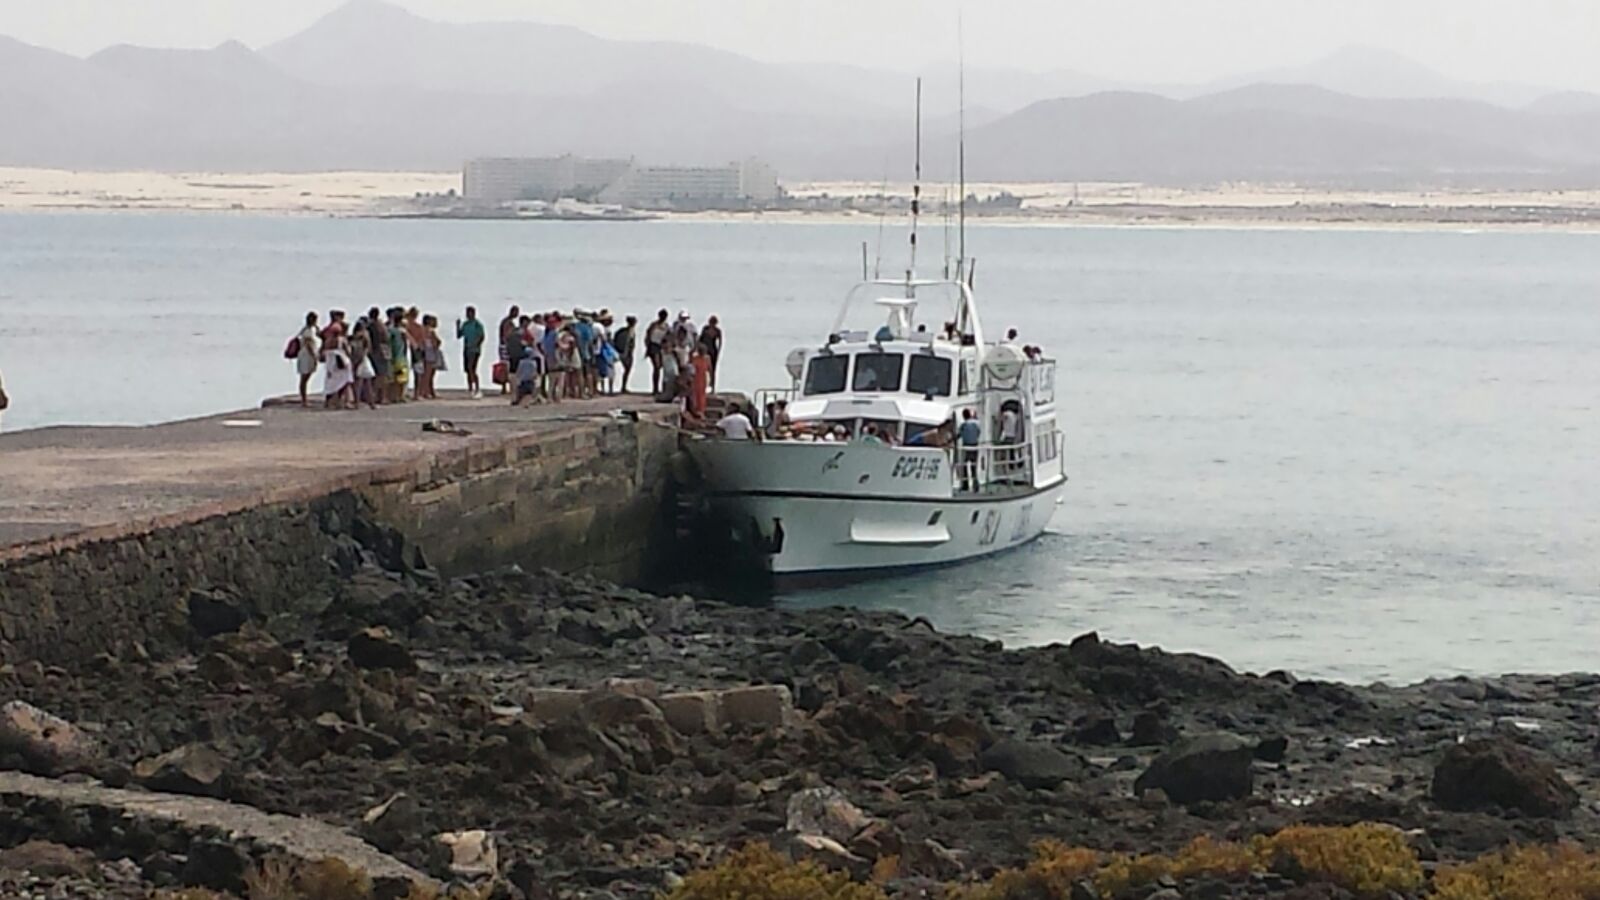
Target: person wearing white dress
x=307 y=358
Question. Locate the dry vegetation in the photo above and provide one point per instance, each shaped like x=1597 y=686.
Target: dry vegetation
x=1369 y=860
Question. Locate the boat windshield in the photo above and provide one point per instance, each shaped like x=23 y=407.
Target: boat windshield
x=826 y=374
x=929 y=376
x=878 y=371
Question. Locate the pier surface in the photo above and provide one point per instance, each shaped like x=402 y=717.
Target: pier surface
x=65 y=485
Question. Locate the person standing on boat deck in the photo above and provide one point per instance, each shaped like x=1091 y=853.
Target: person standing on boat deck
x=1011 y=336
x=470 y=334
x=305 y=361
x=1011 y=437
x=711 y=343
x=971 y=434
x=625 y=341
x=506 y=326
x=378 y=353
x=736 y=426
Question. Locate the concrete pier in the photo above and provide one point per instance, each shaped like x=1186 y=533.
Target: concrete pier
x=102 y=528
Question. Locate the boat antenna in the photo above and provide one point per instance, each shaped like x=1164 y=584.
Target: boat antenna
x=961 y=150
x=944 y=214
x=916 y=193
x=883 y=214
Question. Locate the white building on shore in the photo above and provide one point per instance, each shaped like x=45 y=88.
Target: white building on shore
x=508 y=179
x=623 y=182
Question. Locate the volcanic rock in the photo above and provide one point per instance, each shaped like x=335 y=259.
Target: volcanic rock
x=392 y=823
x=1273 y=749
x=47 y=859
x=377 y=648
x=1150 y=729
x=191 y=769
x=1097 y=730
x=1207 y=768
x=1033 y=765
x=825 y=812
x=473 y=854
x=1494 y=772
x=47 y=744
x=213 y=612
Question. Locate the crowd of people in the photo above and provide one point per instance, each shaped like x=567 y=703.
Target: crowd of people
x=393 y=356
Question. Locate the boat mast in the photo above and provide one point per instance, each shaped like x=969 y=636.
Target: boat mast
x=961 y=149
x=916 y=197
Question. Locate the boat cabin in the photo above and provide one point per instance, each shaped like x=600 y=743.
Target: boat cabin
x=902 y=385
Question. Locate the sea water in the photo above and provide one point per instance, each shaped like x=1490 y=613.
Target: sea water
x=1353 y=454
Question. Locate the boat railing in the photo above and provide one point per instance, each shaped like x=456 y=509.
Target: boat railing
x=767 y=396
x=982 y=466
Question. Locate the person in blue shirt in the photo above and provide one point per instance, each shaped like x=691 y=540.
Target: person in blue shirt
x=471 y=335
x=528 y=377
x=583 y=329
x=971 y=435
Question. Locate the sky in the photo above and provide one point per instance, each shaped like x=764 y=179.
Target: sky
x=1545 y=42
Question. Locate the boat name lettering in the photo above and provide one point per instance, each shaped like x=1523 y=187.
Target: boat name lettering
x=921 y=468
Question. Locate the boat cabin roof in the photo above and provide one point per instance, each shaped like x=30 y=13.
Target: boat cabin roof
x=882 y=408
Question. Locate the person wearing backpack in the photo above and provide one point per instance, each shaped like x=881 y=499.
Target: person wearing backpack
x=303 y=349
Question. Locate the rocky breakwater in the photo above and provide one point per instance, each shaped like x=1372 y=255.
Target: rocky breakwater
x=567 y=738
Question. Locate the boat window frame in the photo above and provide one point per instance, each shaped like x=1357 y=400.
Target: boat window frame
x=949 y=374
x=899 y=372
x=842 y=359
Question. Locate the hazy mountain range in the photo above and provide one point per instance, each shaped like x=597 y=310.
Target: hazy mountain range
x=373 y=86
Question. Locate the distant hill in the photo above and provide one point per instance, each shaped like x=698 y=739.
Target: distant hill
x=1285 y=133
x=374 y=86
x=1383 y=75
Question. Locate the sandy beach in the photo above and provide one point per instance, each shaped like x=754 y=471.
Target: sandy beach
x=1086 y=204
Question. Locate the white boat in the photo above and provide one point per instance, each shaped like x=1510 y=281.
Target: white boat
x=903 y=446
x=807 y=503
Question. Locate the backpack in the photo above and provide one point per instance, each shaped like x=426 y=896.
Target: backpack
x=292 y=349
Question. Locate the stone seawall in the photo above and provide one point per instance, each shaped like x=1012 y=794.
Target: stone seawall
x=582 y=493
x=106 y=596
x=589 y=499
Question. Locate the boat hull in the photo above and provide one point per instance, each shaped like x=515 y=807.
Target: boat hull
x=798 y=533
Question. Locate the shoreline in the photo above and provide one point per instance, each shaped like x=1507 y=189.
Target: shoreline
x=1164 y=219
x=399 y=195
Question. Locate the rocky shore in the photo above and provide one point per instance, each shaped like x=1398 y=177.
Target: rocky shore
x=576 y=739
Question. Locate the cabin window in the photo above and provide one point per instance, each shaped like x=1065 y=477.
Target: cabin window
x=826 y=374
x=878 y=371
x=929 y=376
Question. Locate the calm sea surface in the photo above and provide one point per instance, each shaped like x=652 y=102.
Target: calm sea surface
x=1352 y=454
